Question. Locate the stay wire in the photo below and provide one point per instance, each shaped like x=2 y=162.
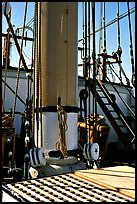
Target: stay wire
x=40 y=76
x=7 y=57
x=100 y=34
x=113 y=21
x=36 y=72
x=131 y=45
x=89 y=68
x=119 y=50
x=83 y=27
x=94 y=76
x=104 y=54
x=85 y=65
x=33 y=96
x=104 y=20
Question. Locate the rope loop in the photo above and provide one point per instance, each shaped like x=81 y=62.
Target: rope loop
x=62 y=118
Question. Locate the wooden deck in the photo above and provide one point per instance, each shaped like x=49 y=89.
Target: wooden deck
x=117 y=178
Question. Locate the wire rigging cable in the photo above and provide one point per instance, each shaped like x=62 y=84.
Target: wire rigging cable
x=100 y=34
x=131 y=47
x=113 y=21
x=89 y=66
x=104 y=23
x=34 y=76
x=85 y=71
x=40 y=80
x=36 y=72
x=94 y=76
x=104 y=54
x=7 y=41
x=119 y=50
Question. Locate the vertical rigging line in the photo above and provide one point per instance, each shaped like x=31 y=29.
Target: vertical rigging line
x=94 y=75
x=85 y=65
x=67 y=43
x=131 y=47
x=119 y=51
x=33 y=95
x=7 y=57
x=104 y=50
x=37 y=76
x=40 y=80
x=83 y=32
x=36 y=71
x=89 y=64
x=85 y=40
x=118 y=26
x=100 y=36
x=104 y=18
x=100 y=33
x=18 y=73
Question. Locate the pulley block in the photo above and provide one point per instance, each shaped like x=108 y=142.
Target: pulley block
x=37 y=157
x=91 y=151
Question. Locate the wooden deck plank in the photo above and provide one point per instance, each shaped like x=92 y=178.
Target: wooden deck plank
x=119 y=178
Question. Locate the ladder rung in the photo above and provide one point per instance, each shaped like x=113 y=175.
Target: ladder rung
x=102 y=96
x=116 y=118
x=122 y=126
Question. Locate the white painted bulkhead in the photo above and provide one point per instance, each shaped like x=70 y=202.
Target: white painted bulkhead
x=11 y=79
x=9 y=99
x=59 y=75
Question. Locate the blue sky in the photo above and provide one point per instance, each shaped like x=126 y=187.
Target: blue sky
x=17 y=13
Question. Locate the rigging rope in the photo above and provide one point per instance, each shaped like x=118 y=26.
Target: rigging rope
x=104 y=20
x=131 y=47
x=83 y=31
x=62 y=119
x=18 y=73
x=119 y=50
x=40 y=77
x=113 y=21
x=6 y=49
x=94 y=77
x=36 y=71
x=100 y=34
x=89 y=66
x=85 y=71
x=37 y=91
x=104 y=54
x=85 y=54
x=34 y=77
